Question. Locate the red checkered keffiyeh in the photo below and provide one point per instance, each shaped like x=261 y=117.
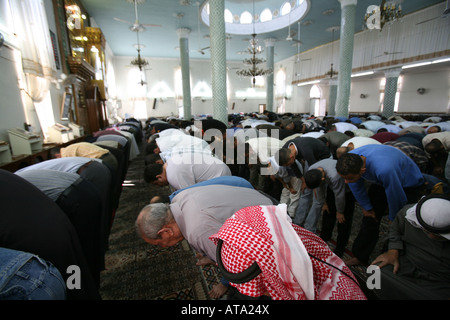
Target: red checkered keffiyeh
x=282 y=251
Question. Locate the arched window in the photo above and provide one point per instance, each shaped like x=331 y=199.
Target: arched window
x=266 y=15
x=285 y=8
x=315 y=93
x=246 y=17
x=228 y=16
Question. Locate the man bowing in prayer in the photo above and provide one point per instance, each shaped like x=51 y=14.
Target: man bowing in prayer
x=263 y=254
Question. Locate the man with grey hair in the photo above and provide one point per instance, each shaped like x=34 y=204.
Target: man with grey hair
x=157 y=226
x=194 y=214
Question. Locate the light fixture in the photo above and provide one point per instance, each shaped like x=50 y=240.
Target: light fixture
x=441 y=60
x=254 y=49
x=421 y=90
x=139 y=61
x=332 y=73
x=425 y=63
x=362 y=74
x=416 y=65
x=308 y=82
x=378 y=16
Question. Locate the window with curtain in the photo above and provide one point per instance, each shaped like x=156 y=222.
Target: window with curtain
x=137 y=87
x=27 y=20
x=35 y=42
x=314 y=95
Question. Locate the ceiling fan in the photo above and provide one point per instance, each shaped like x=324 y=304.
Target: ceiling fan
x=386 y=53
x=298 y=60
x=388 y=41
x=444 y=14
x=136 y=26
x=291 y=34
x=200 y=50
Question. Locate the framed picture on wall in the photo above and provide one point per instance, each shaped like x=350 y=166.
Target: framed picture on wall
x=66 y=106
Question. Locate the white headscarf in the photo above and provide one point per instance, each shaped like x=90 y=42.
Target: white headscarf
x=434 y=211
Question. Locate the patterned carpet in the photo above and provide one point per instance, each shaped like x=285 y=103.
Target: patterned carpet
x=136 y=270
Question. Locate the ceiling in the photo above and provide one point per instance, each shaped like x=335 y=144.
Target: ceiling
x=162 y=41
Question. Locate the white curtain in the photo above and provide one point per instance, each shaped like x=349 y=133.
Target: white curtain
x=404 y=41
x=35 y=43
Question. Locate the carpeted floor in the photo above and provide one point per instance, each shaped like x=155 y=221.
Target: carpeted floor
x=136 y=270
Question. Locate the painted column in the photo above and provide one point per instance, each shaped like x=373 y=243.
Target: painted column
x=183 y=34
x=270 y=47
x=332 y=97
x=390 y=90
x=348 y=9
x=218 y=59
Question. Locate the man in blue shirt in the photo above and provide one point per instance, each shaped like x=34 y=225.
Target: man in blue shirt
x=394 y=179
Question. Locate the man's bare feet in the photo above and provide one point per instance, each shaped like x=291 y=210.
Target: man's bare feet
x=218 y=291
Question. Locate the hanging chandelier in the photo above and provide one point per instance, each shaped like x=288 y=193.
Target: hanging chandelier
x=254 y=50
x=331 y=73
x=378 y=16
x=254 y=71
x=139 y=61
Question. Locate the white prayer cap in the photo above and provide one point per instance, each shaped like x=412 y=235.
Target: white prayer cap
x=432 y=213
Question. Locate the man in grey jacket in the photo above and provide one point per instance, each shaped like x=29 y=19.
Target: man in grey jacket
x=196 y=213
x=331 y=198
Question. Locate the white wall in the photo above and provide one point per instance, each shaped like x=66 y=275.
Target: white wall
x=371 y=89
x=434 y=78
x=436 y=97
x=163 y=71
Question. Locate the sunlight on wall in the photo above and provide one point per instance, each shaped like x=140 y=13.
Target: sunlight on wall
x=137 y=87
x=44 y=112
x=250 y=93
x=202 y=90
x=140 y=109
x=161 y=90
x=178 y=81
x=259 y=81
x=280 y=80
x=111 y=81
